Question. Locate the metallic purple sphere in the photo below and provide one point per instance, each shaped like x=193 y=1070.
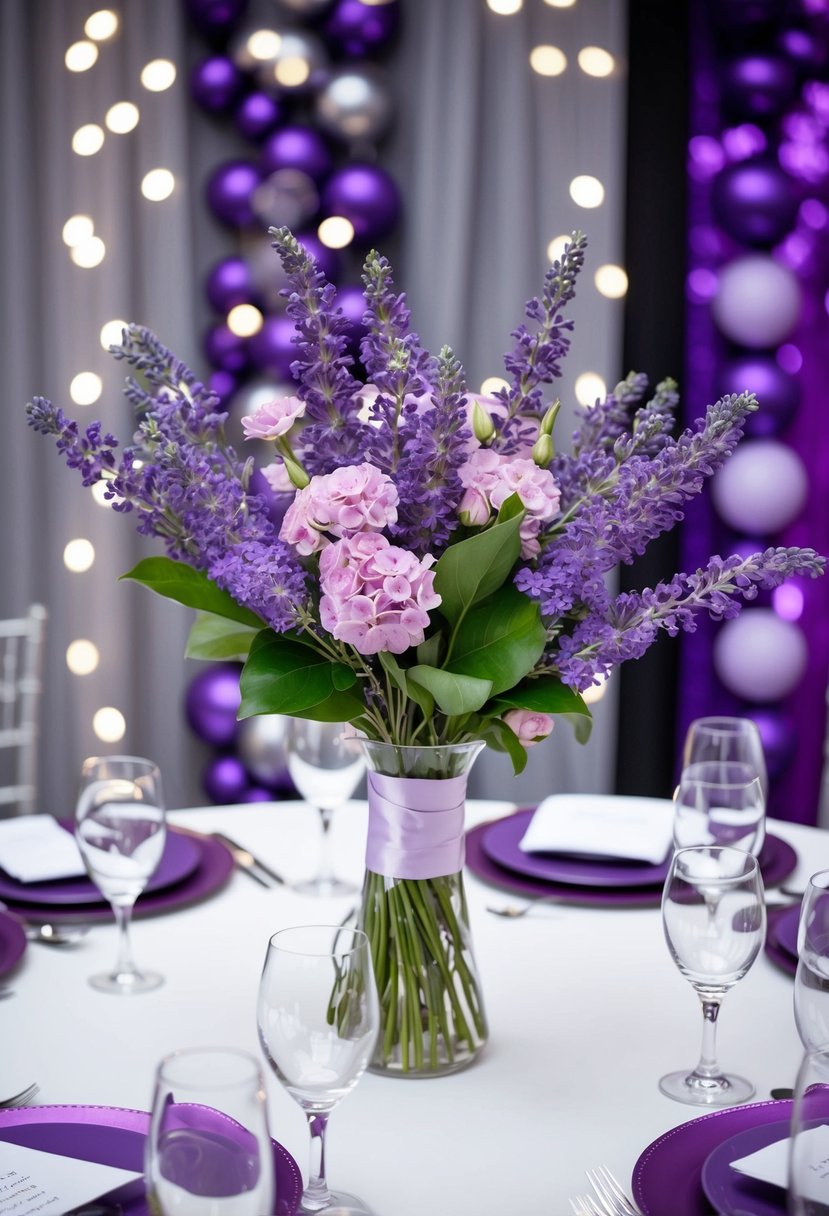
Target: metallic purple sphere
x=358 y=30
x=228 y=283
x=215 y=83
x=367 y=196
x=225 y=780
x=224 y=385
x=229 y=192
x=755 y=202
x=272 y=349
x=257 y=115
x=758 y=86
x=211 y=703
x=226 y=351
x=777 y=391
x=297 y=147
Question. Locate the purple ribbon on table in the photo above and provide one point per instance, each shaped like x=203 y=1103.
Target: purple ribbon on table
x=415 y=826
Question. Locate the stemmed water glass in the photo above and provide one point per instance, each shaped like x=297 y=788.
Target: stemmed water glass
x=325 y=761
x=714 y=918
x=318 y=1016
x=808 y=1181
x=811 y=983
x=726 y=740
x=120 y=828
x=209 y=1150
x=720 y=802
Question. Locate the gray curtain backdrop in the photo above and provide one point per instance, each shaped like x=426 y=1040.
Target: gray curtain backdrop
x=483 y=150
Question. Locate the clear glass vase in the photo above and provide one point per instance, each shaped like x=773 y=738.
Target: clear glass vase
x=414 y=910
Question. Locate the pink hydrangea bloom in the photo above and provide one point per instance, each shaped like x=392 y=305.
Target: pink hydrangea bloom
x=375 y=596
x=273 y=419
x=530 y=727
x=489 y=479
x=355 y=498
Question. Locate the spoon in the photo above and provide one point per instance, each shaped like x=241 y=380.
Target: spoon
x=56 y=935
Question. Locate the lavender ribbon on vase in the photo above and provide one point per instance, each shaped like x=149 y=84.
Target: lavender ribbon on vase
x=415 y=826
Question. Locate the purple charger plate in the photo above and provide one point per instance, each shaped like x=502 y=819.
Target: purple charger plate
x=667 y=1178
x=12 y=941
x=180 y=858
x=214 y=868
x=734 y=1194
x=113 y=1136
x=501 y=841
x=777 y=860
x=781 y=937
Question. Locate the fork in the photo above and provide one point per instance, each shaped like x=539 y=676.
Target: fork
x=612 y=1199
x=583 y=1205
x=515 y=911
x=22 y=1099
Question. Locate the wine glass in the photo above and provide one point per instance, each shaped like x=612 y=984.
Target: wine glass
x=714 y=919
x=208 y=1150
x=325 y=760
x=811 y=984
x=120 y=829
x=726 y=739
x=808 y=1180
x=720 y=802
x=318 y=1016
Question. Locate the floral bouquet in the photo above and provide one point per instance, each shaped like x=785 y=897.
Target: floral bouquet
x=428 y=566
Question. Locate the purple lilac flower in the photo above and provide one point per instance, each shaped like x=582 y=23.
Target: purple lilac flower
x=334 y=435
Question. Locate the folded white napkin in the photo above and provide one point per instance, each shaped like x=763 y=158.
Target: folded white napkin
x=771 y=1164
x=35 y=1181
x=602 y=825
x=35 y=848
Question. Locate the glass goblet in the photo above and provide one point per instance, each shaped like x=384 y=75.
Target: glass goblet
x=811 y=983
x=120 y=828
x=714 y=919
x=209 y=1152
x=720 y=802
x=726 y=739
x=808 y=1180
x=318 y=1016
x=326 y=763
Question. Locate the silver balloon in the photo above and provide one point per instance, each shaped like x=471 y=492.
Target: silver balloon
x=354 y=104
x=261 y=746
x=297 y=65
x=288 y=197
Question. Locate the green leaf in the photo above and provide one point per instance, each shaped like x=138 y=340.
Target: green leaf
x=343 y=676
x=510 y=507
x=500 y=641
x=193 y=588
x=500 y=738
x=455 y=694
x=286 y=677
x=408 y=687
x=469 y=571
x=547 y=695
x=215 y=637
x=428 y=651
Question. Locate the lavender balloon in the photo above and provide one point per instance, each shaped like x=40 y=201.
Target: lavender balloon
x=230 y=189
x=228 y=283
x=367 y=196
x=759 y=657
x=757 y=302
x=257 y=115
x=297 y=147
x=359 y=30
x=777 y=391
x=211 y=703
x=225 y=780
x=755 y=202
x=225 y=350
x=215 y=83
x=272 y=349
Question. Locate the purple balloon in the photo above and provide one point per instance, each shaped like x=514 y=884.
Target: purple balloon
x=226 y=351
x=755 y=202
x=211 y=703
x=358 y=30
x=297 y=147
x=229 y=191
x=215 y=83
x=779 y=738
x=272 y=349
x=352 y=301
x=228 y=283
x=758 y=86
x=805 y=48
x=257 y=793
x=777 y=391
x=224 y=385
x=327 y=259
x=225 y=780
x=257 y=115
x=367 y=196
x=216 y=18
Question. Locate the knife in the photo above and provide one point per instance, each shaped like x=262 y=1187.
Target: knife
x=251 y=865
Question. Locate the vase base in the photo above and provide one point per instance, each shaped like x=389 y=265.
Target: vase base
x=425 y=1074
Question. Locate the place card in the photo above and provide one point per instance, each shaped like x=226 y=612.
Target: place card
x=35 y=848
x=35 y=1182
x=601 y=825
x=771 y=1164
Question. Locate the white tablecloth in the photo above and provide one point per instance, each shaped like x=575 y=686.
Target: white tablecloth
x=586 y=1012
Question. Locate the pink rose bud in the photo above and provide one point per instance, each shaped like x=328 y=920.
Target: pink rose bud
x=273 y=419
x=529 y=726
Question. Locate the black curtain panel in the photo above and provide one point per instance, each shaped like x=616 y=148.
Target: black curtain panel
x=658 y=89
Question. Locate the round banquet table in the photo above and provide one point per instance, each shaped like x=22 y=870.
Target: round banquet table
x=586 y=1012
